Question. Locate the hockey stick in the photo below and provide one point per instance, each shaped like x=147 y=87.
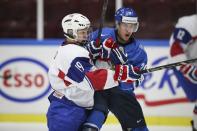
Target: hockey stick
x=168 y=66
x=104 y=9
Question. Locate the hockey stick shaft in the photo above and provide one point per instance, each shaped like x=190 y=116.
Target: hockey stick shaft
x=104 y=9
x=168 y=66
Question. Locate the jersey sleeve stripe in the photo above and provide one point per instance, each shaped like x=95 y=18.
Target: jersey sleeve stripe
x=98 y=78
x=176 y=49
x=90 y=84
x=61 y=75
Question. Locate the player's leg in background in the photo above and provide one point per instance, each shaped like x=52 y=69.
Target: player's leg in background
x=190 y=93
x=194 y=121
x=127 y=110
x=99 y=113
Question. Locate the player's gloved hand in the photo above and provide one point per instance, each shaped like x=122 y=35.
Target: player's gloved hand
x=107 y=45
x=93 y=49
x=125 y=86
x=126 y=73
x=138 y=81
x=111 y=51
x=118 y=56
x=190 y=72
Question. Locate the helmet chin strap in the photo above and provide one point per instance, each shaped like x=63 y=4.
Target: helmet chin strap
x=70 y=37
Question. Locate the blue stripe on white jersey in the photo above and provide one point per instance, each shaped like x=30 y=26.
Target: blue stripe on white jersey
x=182 y=35
x=78 y=68
x=90 y=84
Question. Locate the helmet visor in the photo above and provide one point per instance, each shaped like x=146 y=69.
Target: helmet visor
x=129 y=27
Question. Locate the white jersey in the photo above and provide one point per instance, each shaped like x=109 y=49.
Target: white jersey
x=183 y=41
x=73 y=75
x=184 y=46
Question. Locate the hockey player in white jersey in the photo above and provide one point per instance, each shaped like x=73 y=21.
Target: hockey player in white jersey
x=74 y=78
x=183 y=46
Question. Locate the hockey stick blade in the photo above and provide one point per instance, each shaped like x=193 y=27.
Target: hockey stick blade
x=168 y=66
x=104 y=9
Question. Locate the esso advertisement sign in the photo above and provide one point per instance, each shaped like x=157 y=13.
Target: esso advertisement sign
x=28 y=81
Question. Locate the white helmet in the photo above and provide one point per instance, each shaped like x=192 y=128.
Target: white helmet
x=72 y=23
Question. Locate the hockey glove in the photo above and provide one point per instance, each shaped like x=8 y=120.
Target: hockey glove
x=138 y=81
x=111 y=51
x=126 y=73
x=190 y=72
x=107 y=45
x=93 y=49
x=118 y=56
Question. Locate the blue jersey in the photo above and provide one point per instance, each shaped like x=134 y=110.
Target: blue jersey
x=136 y=54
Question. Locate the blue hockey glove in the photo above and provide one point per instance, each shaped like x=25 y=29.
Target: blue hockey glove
x=138 y=81
x=190 y=72
x=126 y=73
x=118 y=56
x=93 y=49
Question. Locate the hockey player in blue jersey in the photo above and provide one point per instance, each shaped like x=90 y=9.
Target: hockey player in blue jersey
x=74 y=78
x=119 y=47
x=183 y=46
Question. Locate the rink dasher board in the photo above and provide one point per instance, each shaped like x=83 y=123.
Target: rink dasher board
x=28 y=60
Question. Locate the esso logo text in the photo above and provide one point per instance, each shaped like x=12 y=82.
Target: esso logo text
x=28 y=79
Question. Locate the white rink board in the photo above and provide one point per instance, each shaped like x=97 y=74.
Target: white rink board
x=30 y=95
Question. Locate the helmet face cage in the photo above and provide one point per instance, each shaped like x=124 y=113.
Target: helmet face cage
x=127 y=15
x=74 y=22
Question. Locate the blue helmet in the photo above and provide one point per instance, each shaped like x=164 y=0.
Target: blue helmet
x=127 y=15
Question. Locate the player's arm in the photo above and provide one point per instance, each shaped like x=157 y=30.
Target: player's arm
x=94 y=47
x=180 y=39
x=189 y=71
x=83 y=72
x=109 y=51
x=128 y=73
x=140 y=64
